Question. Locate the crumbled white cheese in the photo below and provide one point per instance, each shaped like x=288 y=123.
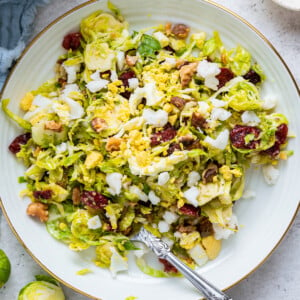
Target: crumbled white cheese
x=220 y=142
x=211 y=82
x=158 y=118
x=120 y=60
x=203 y=109
x=193 y=178
x=250 y=118
x=133 y=83
x=218 y=103
x=207 y=69
x=220 y=114
x=163 y=178
x=171 y=61
x=153 y=96
x=270 y=173
x=247 y=194
x=113 y=76
x=143 y=249
x=61 y=148
x=170 y=217
x=76 y=111
x=221 y=232
x=168 y=241
x=153 y=198
x=71 y=72
x=191 y=195
x=163 y=226
x=177 y=234
x=269 y=102
x=198 y=254
x=94 y=222
x=137 y=191
x=162 y=38
x=41 y=101
x=118 y=263
x=97 y=85
x=114 y=181
x=96 y=76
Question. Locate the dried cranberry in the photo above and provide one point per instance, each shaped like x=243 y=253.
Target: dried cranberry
x=253 y=77
x=46 y=194
x=169 y=268
x=189 y=210
x=72 y=41
x=168 y=133
x=93 y=199
x=272 y=151
x=126 y=94
x=238 y=134
x=173 y=147
x=169 y=48
x=224 y=76
x=205 y=227
x=124 y=77
x=198 y=120
x=22 y=139
x=281 y=133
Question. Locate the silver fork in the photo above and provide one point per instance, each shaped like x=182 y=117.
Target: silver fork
x=162 y=250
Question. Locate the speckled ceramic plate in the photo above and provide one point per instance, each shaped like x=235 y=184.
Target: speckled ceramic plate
x=289 y=4
x=264 y=220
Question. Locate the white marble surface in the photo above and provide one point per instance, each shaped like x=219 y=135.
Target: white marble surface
x=279 y=277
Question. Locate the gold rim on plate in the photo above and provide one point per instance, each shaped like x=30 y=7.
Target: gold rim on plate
x=70 y=12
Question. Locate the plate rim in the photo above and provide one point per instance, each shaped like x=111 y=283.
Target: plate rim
x=89 y=2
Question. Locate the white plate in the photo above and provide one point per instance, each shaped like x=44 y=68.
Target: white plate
x=289 y=4
x=264 y=219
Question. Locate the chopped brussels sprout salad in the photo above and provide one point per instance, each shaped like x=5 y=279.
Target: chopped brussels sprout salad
x=152 y=128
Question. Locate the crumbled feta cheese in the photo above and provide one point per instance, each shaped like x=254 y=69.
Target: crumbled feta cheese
x=177 y=234
x=162 y=38
x=171 y=61
x=221 y=232
x=170 y=217
x=269 y=102
x=198 y=254
x=270 y=173
x=163 y=226
x=113 y=75
x=94 y=222
x=153 y=96
x=133 y=83
x=163 y=178
x=97 y=85
x=76 y=111
x=158 y=118
x=71 y=72
x=207 y=69
x=96 y=76
x=203 y=109
x=220 y=142
x=211 y=82
x=191 y=196
x=118 y=263
x=120 y=60
x=137 y=191
x=250 y=118
x=218 y=103
x=69 y=88
x=193 y=178
x=153 y=198
x=220 y=114
x=61 y=148
x=41 y=101
x=114 y=180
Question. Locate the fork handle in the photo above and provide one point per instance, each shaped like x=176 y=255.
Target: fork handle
x=206 y=288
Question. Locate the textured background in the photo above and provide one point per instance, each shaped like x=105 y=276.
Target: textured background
x=279 y=277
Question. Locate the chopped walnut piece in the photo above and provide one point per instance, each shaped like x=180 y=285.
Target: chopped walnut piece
x=181 y=31
x=76 y=196
x=198 y=121
x=180 y=63
x=98 y=124
x=131 y=60
x=38 y=209
x=113 y=144
x=186 y=73
x=54 y=126
x=209 y=173
x=178 y=102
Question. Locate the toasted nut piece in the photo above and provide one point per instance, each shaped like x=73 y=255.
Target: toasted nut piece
x=180 y=63
x=113 y=144
x=211 y=246
x=187 y=140
x=76 y=195
x=209 y=173
x=131 y=60
x=38 y=209
x=54 y=126
x=198 y=121
x=178 y=102
x=168 y=28
x=186 y=73
x=98 y=124
x=181 y=31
